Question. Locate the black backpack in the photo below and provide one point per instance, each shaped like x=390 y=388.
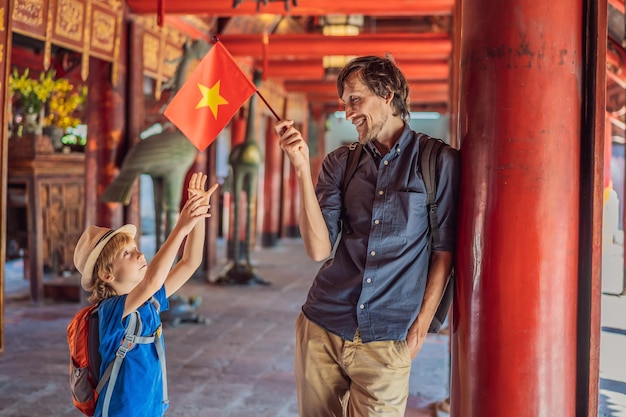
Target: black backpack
x=430 y=149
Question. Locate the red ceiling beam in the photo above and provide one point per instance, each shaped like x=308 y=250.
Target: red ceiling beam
x=180 y=24
x=304 y=7
x=427 y=46
x=326 y=91
x=312 y=69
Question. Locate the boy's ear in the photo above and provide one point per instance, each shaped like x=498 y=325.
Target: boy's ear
x=106 y=277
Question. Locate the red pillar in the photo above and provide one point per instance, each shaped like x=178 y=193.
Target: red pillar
x=105 y=134
x=514 y=345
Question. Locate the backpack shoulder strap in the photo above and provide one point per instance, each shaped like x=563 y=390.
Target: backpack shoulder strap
x=429 y=154
x=354 y=154
x=429 y=149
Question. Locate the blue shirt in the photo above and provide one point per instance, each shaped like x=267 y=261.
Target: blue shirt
x=138 y=391
x=376 y=280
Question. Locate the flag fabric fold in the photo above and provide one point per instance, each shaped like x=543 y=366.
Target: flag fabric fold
x=209 y=98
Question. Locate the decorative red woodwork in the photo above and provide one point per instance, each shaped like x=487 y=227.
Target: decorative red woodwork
x=515 y=315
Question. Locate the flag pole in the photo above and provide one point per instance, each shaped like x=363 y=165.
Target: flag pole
x=268 y=105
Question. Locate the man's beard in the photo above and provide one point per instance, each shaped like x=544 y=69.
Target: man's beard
x=372 y=133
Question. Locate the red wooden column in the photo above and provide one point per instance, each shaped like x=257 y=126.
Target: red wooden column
x=515 y=319
x=105 y=134
x=136 y=120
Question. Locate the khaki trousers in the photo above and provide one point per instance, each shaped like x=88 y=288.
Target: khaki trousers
x=342 y=378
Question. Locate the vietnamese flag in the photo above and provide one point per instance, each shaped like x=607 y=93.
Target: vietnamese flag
x=212 y=94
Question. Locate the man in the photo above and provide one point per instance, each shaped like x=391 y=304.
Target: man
x=368 y=311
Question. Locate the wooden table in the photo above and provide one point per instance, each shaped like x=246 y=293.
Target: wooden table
x=45 y=209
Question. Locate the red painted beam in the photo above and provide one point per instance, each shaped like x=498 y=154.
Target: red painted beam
x=427 y=46
x=312 y=69
x=304 y=7
x=186 y=28
x=326 y=91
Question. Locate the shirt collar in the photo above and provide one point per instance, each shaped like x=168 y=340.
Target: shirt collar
x=402 y=142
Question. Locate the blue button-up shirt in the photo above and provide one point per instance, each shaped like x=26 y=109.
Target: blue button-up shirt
x=376 y=280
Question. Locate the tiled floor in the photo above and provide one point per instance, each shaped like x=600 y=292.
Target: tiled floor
x=240 y=364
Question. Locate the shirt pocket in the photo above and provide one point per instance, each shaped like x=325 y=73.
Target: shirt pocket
x=409 y=216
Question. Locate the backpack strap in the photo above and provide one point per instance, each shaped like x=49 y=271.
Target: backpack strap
x=429 y=155
x=158 y=344
x=354 y=155
x=131 y=339
x=351 y=163
x=430 y=149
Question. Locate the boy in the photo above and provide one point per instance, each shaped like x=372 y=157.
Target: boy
x=121 y=281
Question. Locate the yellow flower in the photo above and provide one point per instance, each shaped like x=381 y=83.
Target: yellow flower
x=56 y=97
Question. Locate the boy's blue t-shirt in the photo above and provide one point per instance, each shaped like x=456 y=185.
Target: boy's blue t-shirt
x=138 y=390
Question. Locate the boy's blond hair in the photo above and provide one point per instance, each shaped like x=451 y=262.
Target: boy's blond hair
x=104 y=266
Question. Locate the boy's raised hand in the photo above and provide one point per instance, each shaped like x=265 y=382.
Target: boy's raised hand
x=196 y=187
x=197 y=205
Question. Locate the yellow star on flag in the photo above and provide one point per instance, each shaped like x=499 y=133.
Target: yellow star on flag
x=211 y=98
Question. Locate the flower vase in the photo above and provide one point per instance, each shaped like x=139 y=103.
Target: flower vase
x=32 y=123
x=55 y=133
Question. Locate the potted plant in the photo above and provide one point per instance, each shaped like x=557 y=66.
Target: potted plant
x=61 y=109
x=45 y=105
x=29 y=97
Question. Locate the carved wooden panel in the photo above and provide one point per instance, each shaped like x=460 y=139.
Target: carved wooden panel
x=62 y=214
x=106 y=24
x=161 y=48
x=91 y=27
x=53 y=189
x=68 y=24
x=30 y=17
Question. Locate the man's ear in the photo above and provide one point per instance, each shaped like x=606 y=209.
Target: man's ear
x=389 y=97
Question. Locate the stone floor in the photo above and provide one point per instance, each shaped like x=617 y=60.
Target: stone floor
x=239 y=364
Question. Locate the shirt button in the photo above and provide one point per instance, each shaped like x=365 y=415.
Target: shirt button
x=376 y=221
x=373 y=253
x=385 y=162
x=362 y=306
x=369 y=280
x=381 y=192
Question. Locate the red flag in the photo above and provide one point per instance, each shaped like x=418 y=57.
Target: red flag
x=212 y=94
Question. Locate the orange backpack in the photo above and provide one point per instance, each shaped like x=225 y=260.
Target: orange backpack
x=83 y=338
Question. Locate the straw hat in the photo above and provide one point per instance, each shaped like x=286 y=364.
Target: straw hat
x=89 y=246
